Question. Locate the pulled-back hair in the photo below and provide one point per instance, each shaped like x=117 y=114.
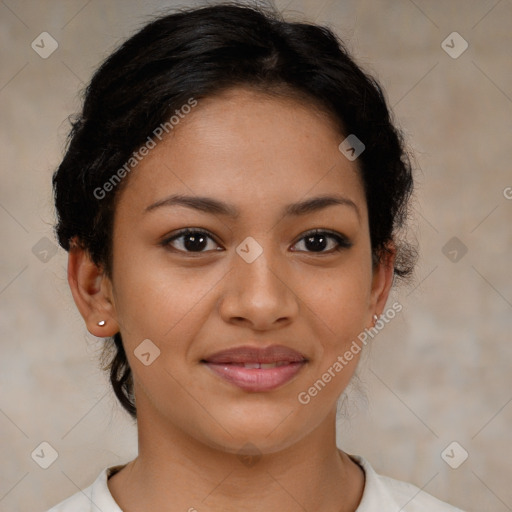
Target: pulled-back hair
x=197 y=53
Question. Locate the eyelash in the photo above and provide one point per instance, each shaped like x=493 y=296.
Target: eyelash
x=342 y=242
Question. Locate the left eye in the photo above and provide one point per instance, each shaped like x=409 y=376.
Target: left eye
x=317 y=241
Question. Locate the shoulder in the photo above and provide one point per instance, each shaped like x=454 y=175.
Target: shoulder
x=93 y=498
x=385 y=494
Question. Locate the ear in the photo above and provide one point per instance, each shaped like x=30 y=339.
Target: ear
x=92 y=292
x=382 y=280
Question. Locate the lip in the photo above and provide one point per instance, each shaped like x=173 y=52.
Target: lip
x=280 y=365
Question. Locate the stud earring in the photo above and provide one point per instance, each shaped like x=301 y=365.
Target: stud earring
x=375 y=319
x=101 y=323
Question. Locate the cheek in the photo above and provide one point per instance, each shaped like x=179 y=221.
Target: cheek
x=337 y=309
x=338 y=298
x=155 y=301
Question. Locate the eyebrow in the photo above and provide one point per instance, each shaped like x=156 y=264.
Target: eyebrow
x=216 y=207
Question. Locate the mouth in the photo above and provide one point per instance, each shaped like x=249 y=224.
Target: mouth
x=256 y=369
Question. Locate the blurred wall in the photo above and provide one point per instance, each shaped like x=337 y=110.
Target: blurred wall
x=438 y=373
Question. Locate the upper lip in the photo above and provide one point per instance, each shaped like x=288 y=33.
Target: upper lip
x=251 y=354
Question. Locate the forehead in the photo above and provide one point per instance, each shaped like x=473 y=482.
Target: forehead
x=248 y=145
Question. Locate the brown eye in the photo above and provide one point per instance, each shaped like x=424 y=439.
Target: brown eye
x=190 y=240
x=318 y=241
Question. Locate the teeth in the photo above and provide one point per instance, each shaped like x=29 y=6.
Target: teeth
x=251 y=365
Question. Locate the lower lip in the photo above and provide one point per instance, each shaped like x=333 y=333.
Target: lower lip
x=256 y=379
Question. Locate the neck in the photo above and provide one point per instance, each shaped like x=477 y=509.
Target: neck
x=173 y=471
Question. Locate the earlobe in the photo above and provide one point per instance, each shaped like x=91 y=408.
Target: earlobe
x=92 y=293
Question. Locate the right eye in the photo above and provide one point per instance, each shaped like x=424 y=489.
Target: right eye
x=189 y=241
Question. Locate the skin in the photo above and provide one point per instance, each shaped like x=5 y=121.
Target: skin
x=259 y=154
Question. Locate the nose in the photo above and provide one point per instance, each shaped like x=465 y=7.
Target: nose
x=258 y=294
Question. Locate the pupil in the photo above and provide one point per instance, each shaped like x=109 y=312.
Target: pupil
x=198 y=242
x=311 y=245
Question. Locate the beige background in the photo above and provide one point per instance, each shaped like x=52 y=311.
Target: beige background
x=440 y=372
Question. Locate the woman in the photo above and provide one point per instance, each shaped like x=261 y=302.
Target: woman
x=231 y=200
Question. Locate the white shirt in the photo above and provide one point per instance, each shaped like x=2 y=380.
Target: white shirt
x=381 y=494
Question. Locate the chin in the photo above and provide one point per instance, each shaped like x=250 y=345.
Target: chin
x=262 y=430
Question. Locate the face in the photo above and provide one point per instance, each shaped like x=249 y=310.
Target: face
x=261 y=266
